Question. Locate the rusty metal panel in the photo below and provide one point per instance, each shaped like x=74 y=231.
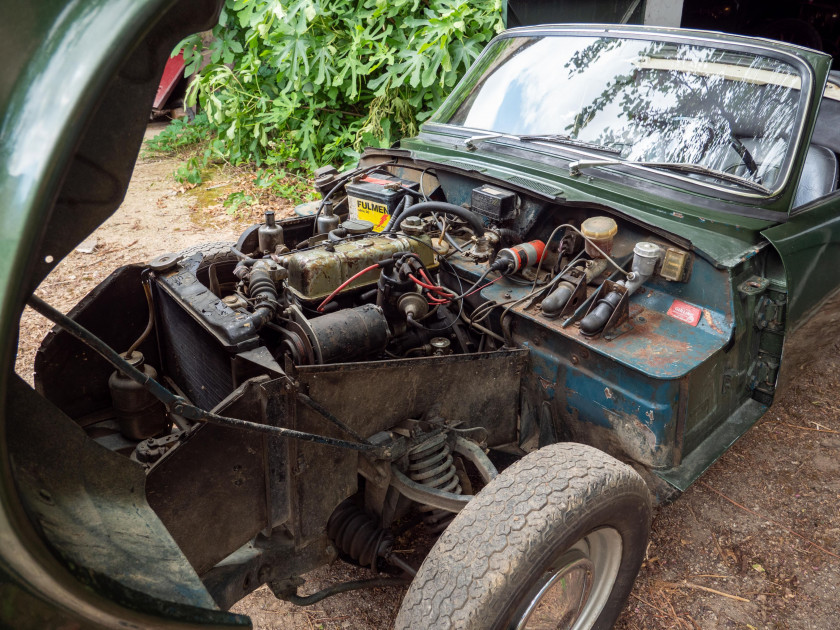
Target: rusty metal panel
x=210 y=492
x=468 y=389
x=479 y=389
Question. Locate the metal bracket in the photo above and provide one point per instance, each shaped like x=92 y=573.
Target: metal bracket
x=619 y=322
x=577 y=278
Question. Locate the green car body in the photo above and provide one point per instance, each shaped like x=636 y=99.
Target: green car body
x=78 y=82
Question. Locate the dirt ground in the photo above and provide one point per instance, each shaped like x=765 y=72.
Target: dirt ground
x=754 y=544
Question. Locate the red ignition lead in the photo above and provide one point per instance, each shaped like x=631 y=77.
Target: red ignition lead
x=329 y=298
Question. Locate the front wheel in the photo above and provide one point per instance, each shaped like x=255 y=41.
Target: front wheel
x=555 y=541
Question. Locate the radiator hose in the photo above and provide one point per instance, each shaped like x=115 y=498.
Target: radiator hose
x=417 y=209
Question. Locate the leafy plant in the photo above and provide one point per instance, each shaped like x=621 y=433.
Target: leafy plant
x=181 y=135
x=190 y=171
x=234 y=200
x=307 y=82
x=290 y=186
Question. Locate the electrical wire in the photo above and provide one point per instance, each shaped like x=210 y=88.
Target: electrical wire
x=592 y=243
x=338 y=289
x=483 y=311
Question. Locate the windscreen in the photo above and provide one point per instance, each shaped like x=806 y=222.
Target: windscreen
x=646 y=100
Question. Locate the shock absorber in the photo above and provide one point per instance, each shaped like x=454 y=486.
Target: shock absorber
x=430 y=464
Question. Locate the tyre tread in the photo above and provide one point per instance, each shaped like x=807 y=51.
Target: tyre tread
x=555 y=484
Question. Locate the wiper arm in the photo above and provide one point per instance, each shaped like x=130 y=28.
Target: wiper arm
x=682 y=167
x=469 y=143
x=572 y=142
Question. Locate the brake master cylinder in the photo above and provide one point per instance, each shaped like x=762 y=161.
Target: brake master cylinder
x=645 y=258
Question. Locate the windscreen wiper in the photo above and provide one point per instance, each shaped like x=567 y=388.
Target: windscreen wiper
x=547 y=137
x=572 y=142
x=681 y=167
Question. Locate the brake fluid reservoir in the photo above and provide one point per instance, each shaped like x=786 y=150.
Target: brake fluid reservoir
x=599 y=231
x=140 y=415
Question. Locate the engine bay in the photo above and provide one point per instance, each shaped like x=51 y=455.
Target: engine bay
x=393 y=335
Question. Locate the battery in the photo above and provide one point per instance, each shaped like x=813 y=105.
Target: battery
x=493 y=203
x=375 y=197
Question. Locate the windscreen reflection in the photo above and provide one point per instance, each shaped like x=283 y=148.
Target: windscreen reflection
x=655 y=101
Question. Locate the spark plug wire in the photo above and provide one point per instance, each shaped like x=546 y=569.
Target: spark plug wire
x=340 y=287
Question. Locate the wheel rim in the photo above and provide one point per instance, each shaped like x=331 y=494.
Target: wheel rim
x=575 y=587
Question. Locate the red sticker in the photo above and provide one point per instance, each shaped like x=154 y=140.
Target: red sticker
x=685 y=312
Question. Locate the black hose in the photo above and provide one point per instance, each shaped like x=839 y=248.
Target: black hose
x=395 y=215
x=263 y=290
x=335 y=589
x=512 y=236
x=469 y=216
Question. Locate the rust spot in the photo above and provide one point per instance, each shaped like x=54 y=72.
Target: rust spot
x=708 y=317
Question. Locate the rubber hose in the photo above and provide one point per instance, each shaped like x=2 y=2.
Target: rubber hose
x=397 y=211
x=511 y=236
x=447 y=208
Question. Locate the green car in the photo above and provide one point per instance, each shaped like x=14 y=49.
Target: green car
x=512 y=334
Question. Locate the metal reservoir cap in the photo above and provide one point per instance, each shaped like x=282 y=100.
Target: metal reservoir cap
x=645 y=257
x=357 y=226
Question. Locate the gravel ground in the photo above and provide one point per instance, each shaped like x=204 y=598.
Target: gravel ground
x=754 y=544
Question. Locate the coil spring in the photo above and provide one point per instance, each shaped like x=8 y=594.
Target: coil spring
x=357 y=534
x=430 y=464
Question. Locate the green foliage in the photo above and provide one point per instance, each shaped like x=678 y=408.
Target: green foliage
x=234 y=200
x=181 y=135
x=307 y=82
x=190 y=171
x=289 y=186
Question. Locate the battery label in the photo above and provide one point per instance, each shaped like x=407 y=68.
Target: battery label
x=685 y=312
x=376 y=213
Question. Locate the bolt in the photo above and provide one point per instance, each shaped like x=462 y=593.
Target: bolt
x=575 y=359
x=507 y=294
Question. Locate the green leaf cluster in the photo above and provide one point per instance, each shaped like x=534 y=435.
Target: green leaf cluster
x=310 y=82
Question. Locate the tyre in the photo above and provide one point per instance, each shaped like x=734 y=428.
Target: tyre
x=221 y=257
x=212 y=253
x=555 y=541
